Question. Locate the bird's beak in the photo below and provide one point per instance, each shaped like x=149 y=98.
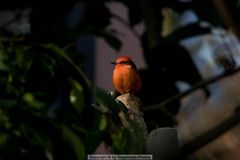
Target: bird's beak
x=113 y=63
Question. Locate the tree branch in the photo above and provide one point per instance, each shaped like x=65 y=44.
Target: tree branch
x=195 y=87
x=202 y=140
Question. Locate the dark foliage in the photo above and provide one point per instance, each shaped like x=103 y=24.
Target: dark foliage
x=47 y=102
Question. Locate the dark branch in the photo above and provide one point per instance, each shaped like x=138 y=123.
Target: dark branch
x=195 y=87
x=202 y=140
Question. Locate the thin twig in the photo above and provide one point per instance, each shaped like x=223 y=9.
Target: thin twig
x=202 y=140
x=195 y=87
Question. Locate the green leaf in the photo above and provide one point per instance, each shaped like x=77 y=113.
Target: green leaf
x=137 y=138
x=3 y=138
x=93 y=140
x=95 y=135
x=30 y=99
x=77 y=96
x=120 y=141
x=7 y=103
x=106 y=101
x=128 y=141
x=9 y=149
x=39 y=139
x=64 y=55
x=3 y=66
x=103 y=123
x=74 y=142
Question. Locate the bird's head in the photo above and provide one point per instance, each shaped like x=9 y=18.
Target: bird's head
x=124 y=60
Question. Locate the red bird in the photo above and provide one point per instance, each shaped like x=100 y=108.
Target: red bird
x=126 y=78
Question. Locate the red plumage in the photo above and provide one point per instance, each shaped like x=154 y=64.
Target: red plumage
x=126 y=78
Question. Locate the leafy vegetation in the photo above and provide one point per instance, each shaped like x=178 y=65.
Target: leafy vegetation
x=45 y=113
x=49 y=108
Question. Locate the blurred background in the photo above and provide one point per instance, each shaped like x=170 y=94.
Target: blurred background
x=55 y=66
